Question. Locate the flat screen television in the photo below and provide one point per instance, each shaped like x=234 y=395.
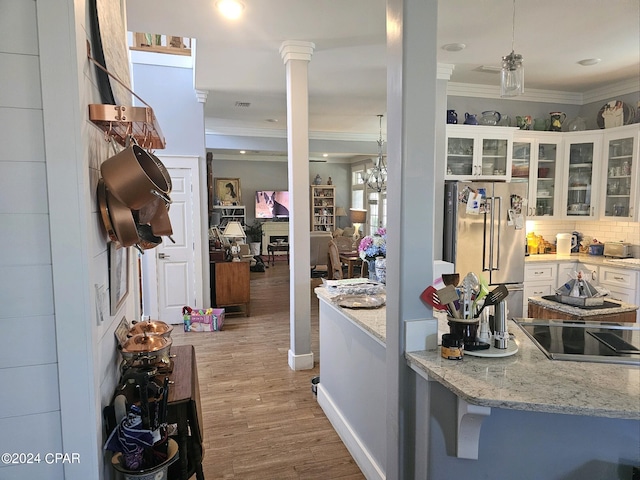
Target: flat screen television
x=272 y=204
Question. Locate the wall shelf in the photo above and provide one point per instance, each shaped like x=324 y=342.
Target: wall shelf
x=121 y=122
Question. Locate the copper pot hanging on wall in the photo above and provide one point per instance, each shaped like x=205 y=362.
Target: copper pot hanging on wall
x=135 y=177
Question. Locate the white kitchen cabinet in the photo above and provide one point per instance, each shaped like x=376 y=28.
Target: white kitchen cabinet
x=539 y=280
x=622 y=285
x=537 y=161
x=582 y=162
x=476 y=152
x=620 y=174
x=565 y=273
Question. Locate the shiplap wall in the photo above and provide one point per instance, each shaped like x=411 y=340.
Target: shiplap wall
x=58 y=362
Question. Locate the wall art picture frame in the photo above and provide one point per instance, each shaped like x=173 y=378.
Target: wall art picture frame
x=228 y=191
x=118 y=275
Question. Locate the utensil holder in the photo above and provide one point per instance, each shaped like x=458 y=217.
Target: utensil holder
x=500 y=334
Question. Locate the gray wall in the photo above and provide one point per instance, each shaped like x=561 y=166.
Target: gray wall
x=58 y=365
x=528 y=445
x=169 y=91
x=255 y=176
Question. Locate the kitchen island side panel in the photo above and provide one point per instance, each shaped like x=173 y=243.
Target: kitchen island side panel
x=528 y=445
x=352 y=389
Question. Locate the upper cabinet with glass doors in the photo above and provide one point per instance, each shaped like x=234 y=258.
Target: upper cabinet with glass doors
x=476 y=152
x=536 y=161
x=619 y=197
x=581 y=174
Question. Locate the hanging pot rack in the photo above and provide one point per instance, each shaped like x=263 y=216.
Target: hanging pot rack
x=123 y=122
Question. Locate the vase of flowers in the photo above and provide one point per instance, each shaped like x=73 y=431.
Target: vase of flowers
x=372 y=247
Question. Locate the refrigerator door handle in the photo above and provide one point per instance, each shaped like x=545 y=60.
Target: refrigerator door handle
x=491 y=231
x=485 y=243
x=497 y=266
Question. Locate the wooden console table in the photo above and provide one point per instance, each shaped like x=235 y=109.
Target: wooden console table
x=231 y=285
x=183 y=409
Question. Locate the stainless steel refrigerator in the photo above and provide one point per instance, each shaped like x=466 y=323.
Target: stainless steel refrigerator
x=484 y=233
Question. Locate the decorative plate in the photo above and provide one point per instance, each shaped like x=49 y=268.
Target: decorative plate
x=615 y=114
x=360 y=301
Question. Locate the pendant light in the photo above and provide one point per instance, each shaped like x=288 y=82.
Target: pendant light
x=377 y=179
x=512 y=73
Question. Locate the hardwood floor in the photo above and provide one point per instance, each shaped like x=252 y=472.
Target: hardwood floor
x=261 y=420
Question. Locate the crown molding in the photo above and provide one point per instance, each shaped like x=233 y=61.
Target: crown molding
x=530 y=94
x=613 y=90
x=607 y=92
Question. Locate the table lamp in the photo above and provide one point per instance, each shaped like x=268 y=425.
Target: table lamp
x=358 y=217
x=340 y=212
x=233 y=231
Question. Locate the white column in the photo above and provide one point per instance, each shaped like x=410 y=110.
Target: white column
x=296 y=56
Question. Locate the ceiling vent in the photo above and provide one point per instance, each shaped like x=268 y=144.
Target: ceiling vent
x=243 y=104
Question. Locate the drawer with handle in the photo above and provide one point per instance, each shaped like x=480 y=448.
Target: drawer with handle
x=535 y=273
x=618 y=277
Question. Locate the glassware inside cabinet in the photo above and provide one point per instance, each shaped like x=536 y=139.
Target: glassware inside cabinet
x=460 y=156
x=580 y=179
x=494 y=157
x=520 y=162
x=545 y=178
x=619 y=167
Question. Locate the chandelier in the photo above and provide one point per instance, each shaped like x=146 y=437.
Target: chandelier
x=512 y=73
x=377 y=178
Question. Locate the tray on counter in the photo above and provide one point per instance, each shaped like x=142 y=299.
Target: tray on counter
x=587 y=303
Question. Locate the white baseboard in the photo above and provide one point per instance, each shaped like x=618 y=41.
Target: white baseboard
x=356 y=447
x=300 y=362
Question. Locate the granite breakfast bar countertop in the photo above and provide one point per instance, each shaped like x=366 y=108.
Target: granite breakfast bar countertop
x=527 y=380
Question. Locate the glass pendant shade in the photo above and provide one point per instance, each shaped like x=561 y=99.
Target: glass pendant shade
x=512 y=75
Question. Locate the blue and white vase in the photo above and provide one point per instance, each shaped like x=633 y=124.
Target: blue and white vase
x=371 y=269
x=381 y=269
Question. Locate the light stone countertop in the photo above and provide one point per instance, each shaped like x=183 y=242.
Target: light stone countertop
x=373 y=320
x=530 y=381
x=597 y=260
x=527 y=380
x=582 y=312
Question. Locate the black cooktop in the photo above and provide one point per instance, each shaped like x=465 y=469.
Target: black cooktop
x=585 y=341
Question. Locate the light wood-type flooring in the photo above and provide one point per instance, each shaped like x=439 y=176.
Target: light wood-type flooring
x=261 y=420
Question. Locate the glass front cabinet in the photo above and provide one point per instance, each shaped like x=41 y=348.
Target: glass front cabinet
x=619 y=198
x=535 y=161
x=476 y=152
x=581 y=175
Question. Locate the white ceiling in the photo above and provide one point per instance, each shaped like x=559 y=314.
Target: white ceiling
x=240 y=61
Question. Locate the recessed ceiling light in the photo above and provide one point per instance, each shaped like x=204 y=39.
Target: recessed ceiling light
x=454 y=47
x=243 y=152
x=231 y=9
x=587 y=62
x=325 y=155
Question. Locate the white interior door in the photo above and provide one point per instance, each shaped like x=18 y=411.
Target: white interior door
x=171 y=269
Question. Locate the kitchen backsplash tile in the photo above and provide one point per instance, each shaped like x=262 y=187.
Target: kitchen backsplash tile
x=603 y=231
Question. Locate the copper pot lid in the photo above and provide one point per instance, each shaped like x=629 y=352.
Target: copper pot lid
x=104 y=211
x=145 y=343
x=154 y=327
